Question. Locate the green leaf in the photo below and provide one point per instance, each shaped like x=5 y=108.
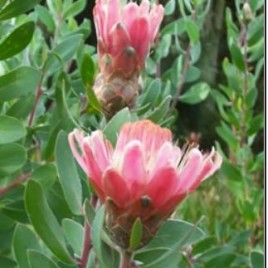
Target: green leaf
x=17 y=40
x=107 y=257
x=45 y=17
x=87 y=70
x=172 y=236
x=160 y=111
x=74 y=9
x=90 y=212
x=225 y=132
x=21 y=108
x=231 y=172
x=196 y=93
x=44 y=221
x=151 y=92
x=11 y=129
x=7 y=263
x=46 y=175
x=12 y=158
x=193 y=74
x=237 y=57
x=64 y=52
x=170 y=7
x=136 y=234
x=23 y=240
x=74 y=234
x=38 y=259
x=112 y=128
x=68 y=175
x=256 y=259
x=19 y=82
x=192 y=30
x=17 y=7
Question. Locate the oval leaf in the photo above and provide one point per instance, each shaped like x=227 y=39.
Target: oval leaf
x=17 y=7
x=44 y=221
x=19 y=82
x=23 y=240
x=17 y=40
x=196 y=93
x=68 y=175
x=11 y=129
x=37 y=259
x=12 y=158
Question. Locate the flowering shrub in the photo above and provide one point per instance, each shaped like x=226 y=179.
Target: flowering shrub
x=97 y=99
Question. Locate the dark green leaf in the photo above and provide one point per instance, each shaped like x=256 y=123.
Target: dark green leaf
x=11 y=129
x=256 y=259
x=231 y=172
x=19 y=82
x=196 y=93
x=192 y=30
x=38 y=259
x=68 y=175
x=17 y=7
x=12 y=158
x=23 y=240
x=136 y=234
x=17 y=40
x=237 y=57
x=44 y=221
x=87 y=70
x=7 y=263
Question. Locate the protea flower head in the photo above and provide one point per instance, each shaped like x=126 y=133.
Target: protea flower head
x=144 y=177
x=125 y=35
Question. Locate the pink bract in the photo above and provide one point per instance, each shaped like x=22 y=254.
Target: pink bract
x=126 y=33
x=144 y=165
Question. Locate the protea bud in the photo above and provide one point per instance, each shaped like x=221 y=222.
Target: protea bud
x=125 y=35
x=145 y=177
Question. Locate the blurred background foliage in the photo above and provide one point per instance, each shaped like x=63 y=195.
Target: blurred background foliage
x=203 y=79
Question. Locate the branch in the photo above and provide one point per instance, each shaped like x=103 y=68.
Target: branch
x=16 y=182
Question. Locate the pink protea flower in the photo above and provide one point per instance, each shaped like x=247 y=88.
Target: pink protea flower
x=145 y=176
x=125 y=34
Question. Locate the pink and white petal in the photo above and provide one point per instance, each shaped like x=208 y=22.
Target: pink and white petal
x=94 y=171
x=75 y=139
x=156 y=16
x=168 y=207
x=162 y=186
x=113 y=14
x=144 y=8
x=115 y=187
x=130 y=12
x=140 y=37
x=102 y=149
x=119 y=39
x=167 y=155
x=189 y=173
x=208 y=169
x=133 y=168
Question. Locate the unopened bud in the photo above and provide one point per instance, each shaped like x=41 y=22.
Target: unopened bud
x=247 y=12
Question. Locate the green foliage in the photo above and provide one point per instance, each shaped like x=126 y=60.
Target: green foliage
x=47 y=71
